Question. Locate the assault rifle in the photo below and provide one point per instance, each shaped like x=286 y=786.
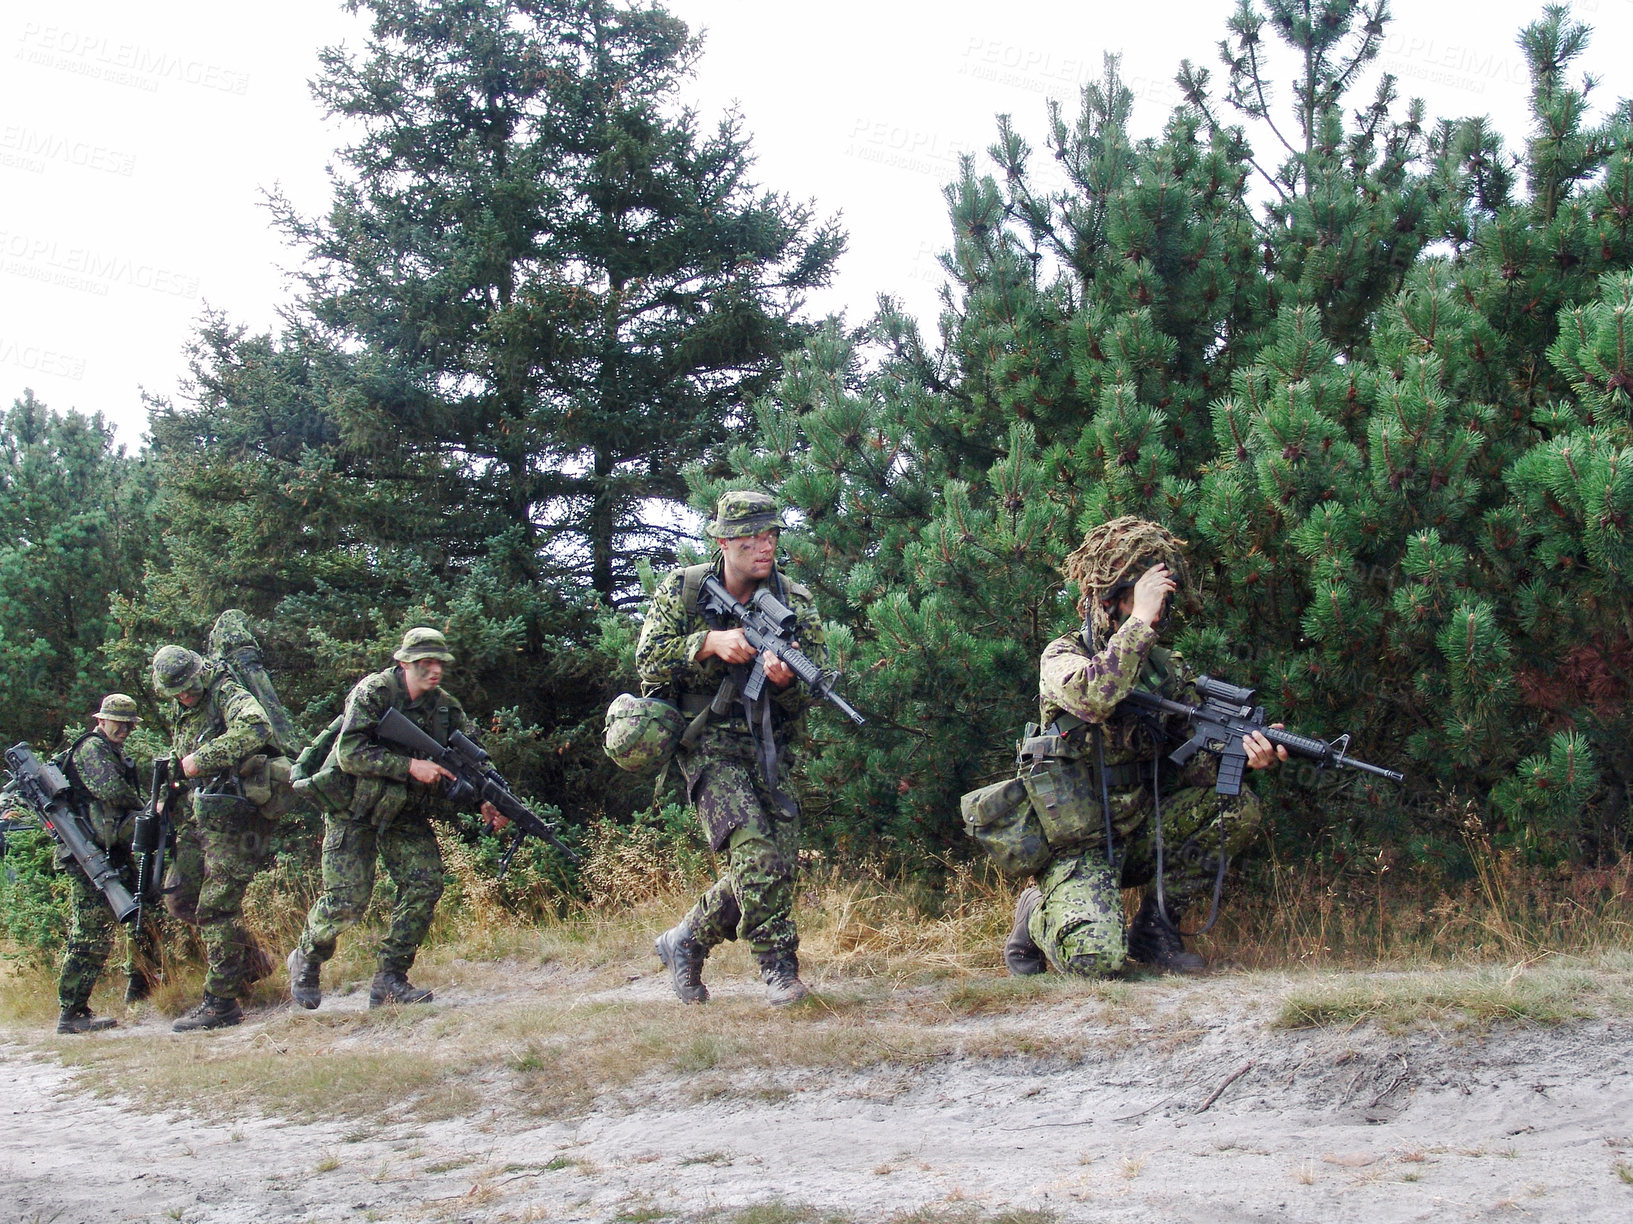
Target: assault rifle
x=44 y=788
x=474 y=783
x=1225 y=716
x=770 y=625
x=153 y=834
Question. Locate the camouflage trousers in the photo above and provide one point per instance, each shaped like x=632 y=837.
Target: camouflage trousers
x=91 y=928
x=753 y=899
x=185 y=875
x=1079 y=921
x=236 y=841
x=408 y=848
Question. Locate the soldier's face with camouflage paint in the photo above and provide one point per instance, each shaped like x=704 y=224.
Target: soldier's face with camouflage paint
x=116 y=729
x=750 y=558
x=190 y=697
x=421 y=676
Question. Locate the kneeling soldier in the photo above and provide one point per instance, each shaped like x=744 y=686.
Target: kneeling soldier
x=1071 y=920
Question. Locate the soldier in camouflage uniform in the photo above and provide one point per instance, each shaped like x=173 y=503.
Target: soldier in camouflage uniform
x=735 y=778
x=218 y=729
x=104 y=786
x=1071 y=920
x=383 y=811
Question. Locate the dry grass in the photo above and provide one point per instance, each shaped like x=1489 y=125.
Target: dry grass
x=903 y=976
x=1554 y=991
x=1381 y=913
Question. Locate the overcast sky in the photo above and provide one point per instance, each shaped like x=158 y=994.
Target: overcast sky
x=136 y=140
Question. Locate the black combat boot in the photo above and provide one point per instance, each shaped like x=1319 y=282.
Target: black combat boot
x=683 y=956
x=137 y=988
x=1156 y=944
x=303 y=979
x=780 y=971
x=393 y=986
x=1023 y=957
x=79 y=1020
x=215 y=1012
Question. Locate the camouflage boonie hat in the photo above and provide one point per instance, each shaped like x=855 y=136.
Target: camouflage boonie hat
x=642 y=732
x=744 y=513
x=175 y=670
x=116 y=707
x=423 y=643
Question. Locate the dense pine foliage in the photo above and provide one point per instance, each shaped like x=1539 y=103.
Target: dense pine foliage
x=1373 y=366
x=1381 y=385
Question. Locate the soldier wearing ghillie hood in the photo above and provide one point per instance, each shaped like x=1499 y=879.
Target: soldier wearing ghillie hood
x=1106 y=773
x=735 y=755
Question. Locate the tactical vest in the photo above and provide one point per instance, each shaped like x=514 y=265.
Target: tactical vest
x=691 y=588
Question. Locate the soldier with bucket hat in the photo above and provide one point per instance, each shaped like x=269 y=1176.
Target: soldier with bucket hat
x=379 y=803
x=735 y=770
x=103 y=785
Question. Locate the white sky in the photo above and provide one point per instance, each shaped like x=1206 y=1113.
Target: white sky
x=135 y=141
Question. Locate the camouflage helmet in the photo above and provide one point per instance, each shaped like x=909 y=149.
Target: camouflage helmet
x=175 y=670
x=423 y=643
x=1113 y=556
x=117 y=707
x=642 y=732
x=744 y=513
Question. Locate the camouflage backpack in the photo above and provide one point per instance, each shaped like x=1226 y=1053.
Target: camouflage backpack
x=235 y=646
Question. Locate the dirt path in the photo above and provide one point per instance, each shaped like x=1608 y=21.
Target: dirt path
x=1524 y=1122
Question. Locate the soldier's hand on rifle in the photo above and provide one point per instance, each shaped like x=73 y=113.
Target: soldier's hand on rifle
x=496 y=820
x=428 y=772
x=727 y=645
x=779 y=673
x=1151 y=594
x=189 y=764
x=1261 y=753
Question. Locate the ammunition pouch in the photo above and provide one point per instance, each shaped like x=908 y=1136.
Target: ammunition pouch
x=1051 y=807
x=266 y=782
x=1002 y=820
x=317 y=773
x=221 y=809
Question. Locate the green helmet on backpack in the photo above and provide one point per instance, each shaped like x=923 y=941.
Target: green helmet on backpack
x=642 y=732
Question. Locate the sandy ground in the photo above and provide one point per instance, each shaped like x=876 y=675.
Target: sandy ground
x=1209 y=1114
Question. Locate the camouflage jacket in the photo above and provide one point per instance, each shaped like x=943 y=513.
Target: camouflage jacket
x=381 y=770
x=672 y=634
x=104 y=779
x=1089 y=685
x=223 y=730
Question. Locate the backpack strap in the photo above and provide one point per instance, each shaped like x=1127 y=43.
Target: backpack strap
x=691 y=585
x=78 y=793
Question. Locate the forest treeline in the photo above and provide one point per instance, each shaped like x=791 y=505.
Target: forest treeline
x=1374 y=366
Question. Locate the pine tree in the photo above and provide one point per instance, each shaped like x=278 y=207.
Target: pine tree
x=540 y=290
x=75 y=530
x=1387 y=409
x=561 y=279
